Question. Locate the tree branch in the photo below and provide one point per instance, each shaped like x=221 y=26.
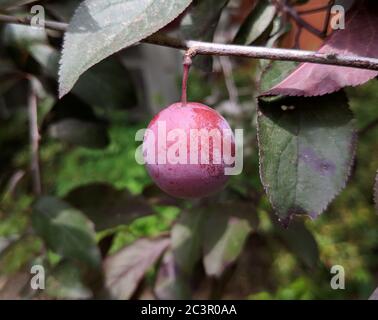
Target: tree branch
x=53 y=25
x=372 y=125
x=34 y=141
x=207 y=48
x=312 y=11
x=287 y=9
x=226 y=66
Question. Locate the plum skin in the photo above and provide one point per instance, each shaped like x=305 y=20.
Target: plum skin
x=189 y=180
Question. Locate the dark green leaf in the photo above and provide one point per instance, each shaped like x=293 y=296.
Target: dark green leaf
x=125 y=269
x=7 y=66
x=108 y=207
x=47 y=57
x=201 y=25
x=81 y=133
x=256 y=23
x=307 y=148
x=99 y=29
x=275 y=72
x=64 y=10
x=7 y=83
x=187 y=240
x=105 y=85
x=9 y=76
x=301 y=242
x=227 y=228
x=65 y=230
x=65 y=282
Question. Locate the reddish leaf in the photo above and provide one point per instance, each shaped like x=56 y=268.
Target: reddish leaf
x=125 y=269
x=360 y=38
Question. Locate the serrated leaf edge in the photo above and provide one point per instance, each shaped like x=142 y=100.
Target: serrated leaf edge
x=286 y=221
x=64 y=90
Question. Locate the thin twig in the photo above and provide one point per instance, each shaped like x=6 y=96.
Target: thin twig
x=297 y=42
x=226 y=66
x=312 y=11
x=34 y=141
x=13 y=182
x=372 y=125
x=207 y=48
x=293 y=14
x=54 y=25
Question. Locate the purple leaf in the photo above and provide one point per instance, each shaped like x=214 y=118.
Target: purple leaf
x=359 y=38
x=125 y=269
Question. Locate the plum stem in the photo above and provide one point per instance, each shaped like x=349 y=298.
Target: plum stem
x=187 y=63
